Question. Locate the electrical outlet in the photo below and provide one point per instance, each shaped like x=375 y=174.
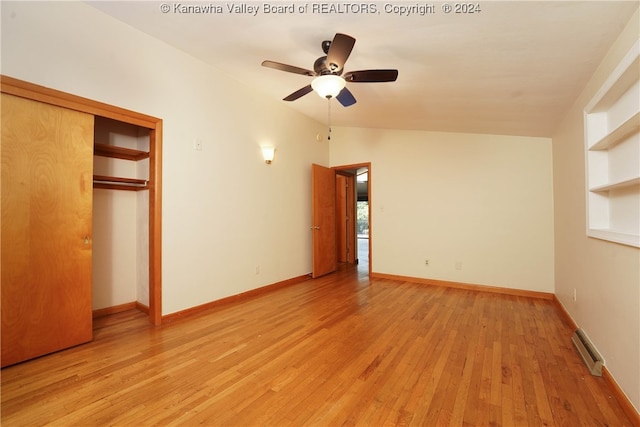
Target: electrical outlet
x=458 y=265
x=575 y=295
x=257 y=269
x=426 y=262
x=197 y=144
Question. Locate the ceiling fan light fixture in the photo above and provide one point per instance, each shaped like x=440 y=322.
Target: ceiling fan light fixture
x=328 y=85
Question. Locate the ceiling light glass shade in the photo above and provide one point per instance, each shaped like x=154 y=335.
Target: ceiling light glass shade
x=328 y=86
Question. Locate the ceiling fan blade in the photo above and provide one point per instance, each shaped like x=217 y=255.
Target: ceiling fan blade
x=288 y=68
x=299 y=93
x=371 y=76
x=346 y=98
x=339 y=51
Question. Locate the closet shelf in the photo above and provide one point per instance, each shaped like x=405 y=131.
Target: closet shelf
x=106 y=150
x=116 y=183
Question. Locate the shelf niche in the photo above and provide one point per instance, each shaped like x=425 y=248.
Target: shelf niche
x=612 y=145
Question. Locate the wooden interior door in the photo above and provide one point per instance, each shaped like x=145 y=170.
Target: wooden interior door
x=323 y=220
x=351 y=220
x=346 y=217
x=342 y=247
x=47 y=189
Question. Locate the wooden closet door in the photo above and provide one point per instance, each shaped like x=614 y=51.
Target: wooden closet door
x=47 y=190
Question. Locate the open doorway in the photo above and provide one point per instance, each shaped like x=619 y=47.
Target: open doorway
x=355 y=215
x=334 y=218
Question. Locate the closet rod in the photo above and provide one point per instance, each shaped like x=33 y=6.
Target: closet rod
x=116 y=183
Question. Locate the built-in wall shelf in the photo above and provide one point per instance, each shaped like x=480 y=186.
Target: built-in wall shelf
x=614 y=236
x=117 y=183
x=106 y=150
x=616 y=186
x=612 y=155
x=619 y=134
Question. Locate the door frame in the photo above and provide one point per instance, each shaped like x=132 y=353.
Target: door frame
x=46 y=95
x=358 y=166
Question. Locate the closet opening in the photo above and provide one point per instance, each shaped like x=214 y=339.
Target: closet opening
x=141 y=137
x=55 y=242
x=120 y=217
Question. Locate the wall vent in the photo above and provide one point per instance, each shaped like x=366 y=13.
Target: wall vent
x=588 y=352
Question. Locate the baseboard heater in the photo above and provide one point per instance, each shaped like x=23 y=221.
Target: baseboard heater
x=587 y=351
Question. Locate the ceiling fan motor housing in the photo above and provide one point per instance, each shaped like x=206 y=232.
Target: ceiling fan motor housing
x=321 y=67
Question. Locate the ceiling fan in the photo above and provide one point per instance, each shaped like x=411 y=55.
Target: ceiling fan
x=327 y=70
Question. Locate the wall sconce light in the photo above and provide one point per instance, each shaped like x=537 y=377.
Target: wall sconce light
x=268 y=153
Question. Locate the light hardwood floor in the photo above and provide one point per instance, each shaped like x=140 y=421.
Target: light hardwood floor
x=339 y=350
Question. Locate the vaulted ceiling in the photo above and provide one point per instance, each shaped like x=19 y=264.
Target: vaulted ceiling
x=510 y=67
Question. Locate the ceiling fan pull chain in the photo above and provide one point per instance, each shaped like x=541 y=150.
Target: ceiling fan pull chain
x=329 y=118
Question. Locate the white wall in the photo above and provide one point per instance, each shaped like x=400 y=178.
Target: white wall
x=605 y=275
x=483 y=202
x=224 y=211
x=114 y=248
